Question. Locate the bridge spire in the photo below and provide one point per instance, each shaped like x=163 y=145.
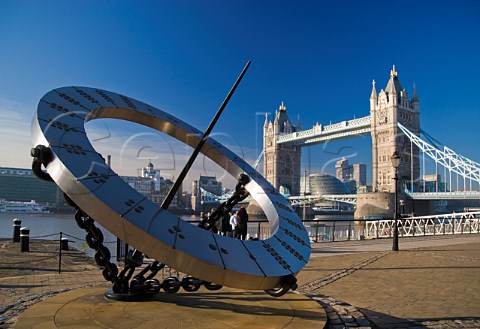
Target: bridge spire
x=373 y=95
x=393 y=72
x=393 y=85
x=281 y=165
x=415 y=96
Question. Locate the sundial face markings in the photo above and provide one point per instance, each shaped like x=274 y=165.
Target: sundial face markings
x=52 y=123
x=69 y=98
x=300 y=242
x=80 y=114
x=284 y=219
x=175 y=230
x=274 y=253
x=295 y=231
x=253 y=257
x=134 y=206
x=96 y=168
x=291 y=249
x=128 y=102
x=221 y=251
x=105 y=96
x=87 y=96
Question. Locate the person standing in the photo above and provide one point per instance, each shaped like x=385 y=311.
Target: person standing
x=242 y=223
x=234 y=224
x=226 y=228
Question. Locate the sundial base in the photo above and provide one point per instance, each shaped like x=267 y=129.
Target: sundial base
x=203 y=309
x=127 y=297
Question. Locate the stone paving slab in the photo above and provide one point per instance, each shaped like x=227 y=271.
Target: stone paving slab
x=425 y=286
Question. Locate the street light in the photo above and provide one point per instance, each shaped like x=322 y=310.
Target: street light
x=395 y=163
x=402 y=205
x=304 y=193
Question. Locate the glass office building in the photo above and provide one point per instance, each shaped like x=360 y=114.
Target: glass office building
x=22 y=185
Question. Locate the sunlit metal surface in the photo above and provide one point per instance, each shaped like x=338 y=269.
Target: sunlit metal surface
x=83 y=175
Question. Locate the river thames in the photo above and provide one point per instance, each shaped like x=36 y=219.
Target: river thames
x=49 y=226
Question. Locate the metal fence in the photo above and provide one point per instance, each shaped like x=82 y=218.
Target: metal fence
x=455 y=223
x=346 y=230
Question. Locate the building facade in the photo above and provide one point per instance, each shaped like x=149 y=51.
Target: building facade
x=281 y=165
x=18 y=184
x=353 y=175
x=154 y=174
x=322 y=184
x=153 y=186
x=142 y=185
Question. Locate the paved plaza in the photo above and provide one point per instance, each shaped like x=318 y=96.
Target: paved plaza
x=432 y=282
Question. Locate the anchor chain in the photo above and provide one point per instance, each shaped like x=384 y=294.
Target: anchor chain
x=143 y=283
x=225 y=207
x=42 y=155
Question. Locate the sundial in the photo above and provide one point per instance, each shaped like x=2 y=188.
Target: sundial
x=58 y=130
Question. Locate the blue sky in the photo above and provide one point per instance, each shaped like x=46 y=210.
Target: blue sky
x=319 y=57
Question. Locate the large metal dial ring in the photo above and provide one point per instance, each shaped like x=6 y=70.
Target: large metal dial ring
x=82 y=174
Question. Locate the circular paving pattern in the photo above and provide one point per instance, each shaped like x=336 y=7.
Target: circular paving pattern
x=228 y=308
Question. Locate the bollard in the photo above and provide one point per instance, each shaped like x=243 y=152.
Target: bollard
x=17 y=223
x=64 y=244
x=24 y=239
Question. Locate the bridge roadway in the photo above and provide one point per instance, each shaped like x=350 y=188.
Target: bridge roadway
x=457 y=195
x=352 y=198
x=332 y=132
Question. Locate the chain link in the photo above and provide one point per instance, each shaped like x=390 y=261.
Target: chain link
x=225 y=207
x=144 y=282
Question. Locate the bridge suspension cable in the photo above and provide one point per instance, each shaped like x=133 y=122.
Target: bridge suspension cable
x=213 y=198
x=255 y=165
x=448 y=158
x=208 y=196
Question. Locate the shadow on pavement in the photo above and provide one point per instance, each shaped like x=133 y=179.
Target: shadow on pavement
x=387 y=321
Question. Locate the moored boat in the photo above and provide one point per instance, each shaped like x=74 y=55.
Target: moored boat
x=19 y=207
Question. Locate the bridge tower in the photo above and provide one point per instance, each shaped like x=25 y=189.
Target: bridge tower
x=388 y=107
x=281 y=164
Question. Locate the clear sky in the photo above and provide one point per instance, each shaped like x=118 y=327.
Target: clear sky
x=318 y=57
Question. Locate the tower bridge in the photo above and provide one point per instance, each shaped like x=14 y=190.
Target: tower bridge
x=394 y=126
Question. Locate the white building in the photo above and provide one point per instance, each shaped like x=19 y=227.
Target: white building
x=154 y=174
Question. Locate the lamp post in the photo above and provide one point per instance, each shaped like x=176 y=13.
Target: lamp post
x=304 y=193
x=402 y=205
x=395 y=163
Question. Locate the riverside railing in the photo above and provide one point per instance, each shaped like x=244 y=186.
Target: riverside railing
x=345 y=230
x=455 y=223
